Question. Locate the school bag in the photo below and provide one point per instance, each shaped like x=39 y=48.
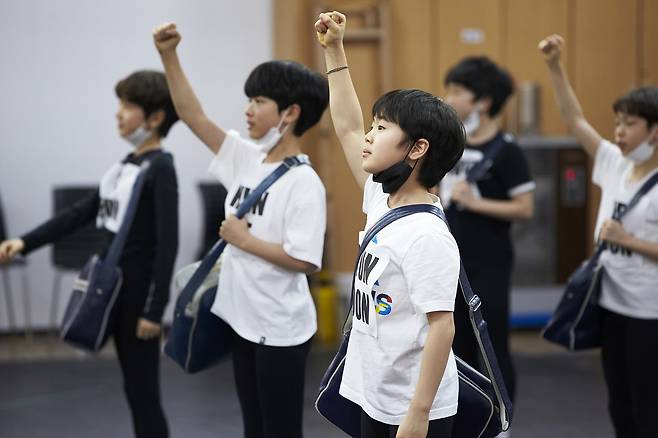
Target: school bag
x=91 y=309
x=484 y=407
x=576 y=321
x=198 y=338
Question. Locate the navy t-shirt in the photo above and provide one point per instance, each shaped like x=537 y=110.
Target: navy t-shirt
x=484 y=239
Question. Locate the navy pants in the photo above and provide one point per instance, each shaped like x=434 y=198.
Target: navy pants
x=270 y=385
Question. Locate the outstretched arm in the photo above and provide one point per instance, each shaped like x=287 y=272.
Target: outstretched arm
x=567 y=102
x=343 y=101
x=188 y=107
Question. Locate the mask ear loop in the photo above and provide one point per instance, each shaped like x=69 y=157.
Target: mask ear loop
x=651 y=134
x=413 y=143
x=285 y=128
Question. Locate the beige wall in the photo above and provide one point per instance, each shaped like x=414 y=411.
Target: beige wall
x=611 y=48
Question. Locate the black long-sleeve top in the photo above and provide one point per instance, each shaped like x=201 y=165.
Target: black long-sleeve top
x=152 y=242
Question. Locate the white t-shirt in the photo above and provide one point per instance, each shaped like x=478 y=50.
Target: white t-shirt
x=114 y=191
x=262 y=302
x=630 y=279
x=409 y=269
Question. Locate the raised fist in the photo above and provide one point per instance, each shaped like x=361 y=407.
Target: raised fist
x=330 y=28
x=166 y=37
x=552 y=48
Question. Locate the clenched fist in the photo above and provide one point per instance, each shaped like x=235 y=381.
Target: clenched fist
x=330 y=28
x=552 y=48
x=166 y=37
x=9 y=249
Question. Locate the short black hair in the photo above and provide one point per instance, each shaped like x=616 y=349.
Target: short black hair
x=641 y=102
x=422 y=115
x=148 y=89
x=288 y=83
x=483 y=78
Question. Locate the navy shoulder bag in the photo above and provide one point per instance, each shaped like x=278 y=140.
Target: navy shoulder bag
x=576 y=322
x=484 y=408
x=199 y=339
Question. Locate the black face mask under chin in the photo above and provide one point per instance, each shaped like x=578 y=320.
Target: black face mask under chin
x=392 y=178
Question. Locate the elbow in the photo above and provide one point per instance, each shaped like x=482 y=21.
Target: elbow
x=308 y=268
x=527 y=212
x=574 y=121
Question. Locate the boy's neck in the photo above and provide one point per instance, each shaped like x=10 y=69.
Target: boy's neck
x=411 y=192
x=642 y=170
x=288 y=146
x=487 y=130
x=149 y=145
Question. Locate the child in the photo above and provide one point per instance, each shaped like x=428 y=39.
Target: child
x=482 y=212
x=263 y=292
x=399 y=366
x=628 y=289
x=145 y=116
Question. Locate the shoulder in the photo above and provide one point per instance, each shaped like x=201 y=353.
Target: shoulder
x=426 y=234
x=510 y=145
x=608 y=151
x=373 y=194
x=305 y=177
x=161 y=165
x=305 y=186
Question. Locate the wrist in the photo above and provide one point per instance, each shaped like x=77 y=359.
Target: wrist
x=420 y=408
x=627 y=240
x=335 y=55
x=554 y=64
x=167 y=53
x=247 y=242
x=471 y=204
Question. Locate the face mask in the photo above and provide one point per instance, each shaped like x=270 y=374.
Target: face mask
x=642 y=152
x=472 y=122
x=138 y=136
x=392 y=178
x=267 y=142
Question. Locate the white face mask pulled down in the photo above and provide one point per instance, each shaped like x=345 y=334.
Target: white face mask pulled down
x=138 y=136
x=273 y=136
x=472 y=121
x=643 y=151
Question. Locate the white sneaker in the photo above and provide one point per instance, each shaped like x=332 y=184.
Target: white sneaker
x=506 y=434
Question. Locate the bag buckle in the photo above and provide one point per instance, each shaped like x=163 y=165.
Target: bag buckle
x=474 y=303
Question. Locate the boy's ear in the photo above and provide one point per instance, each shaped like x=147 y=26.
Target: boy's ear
x=294 y=112
x=419 y=149
x=484 y=104
x=653 y=134
x=156 y=118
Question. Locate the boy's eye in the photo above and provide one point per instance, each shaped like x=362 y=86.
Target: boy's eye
x=380 y=128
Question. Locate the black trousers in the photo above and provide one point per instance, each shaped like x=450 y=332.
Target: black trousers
x=629 y=355
x=492 y=285
x=441 y=428
x=139 y=360
x=270 y=385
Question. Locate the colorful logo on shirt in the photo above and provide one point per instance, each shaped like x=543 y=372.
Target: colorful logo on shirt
x=383 y=304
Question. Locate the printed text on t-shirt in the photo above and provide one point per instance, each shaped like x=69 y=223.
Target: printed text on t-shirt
x=242 y=193
x=619 y=210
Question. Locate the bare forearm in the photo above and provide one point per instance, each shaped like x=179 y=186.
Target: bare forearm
x=434 y=359
x=503 y=210
x=275 y=254
x=343 y=100
x=644 y=247
x=185 y=101
x=567 y=101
